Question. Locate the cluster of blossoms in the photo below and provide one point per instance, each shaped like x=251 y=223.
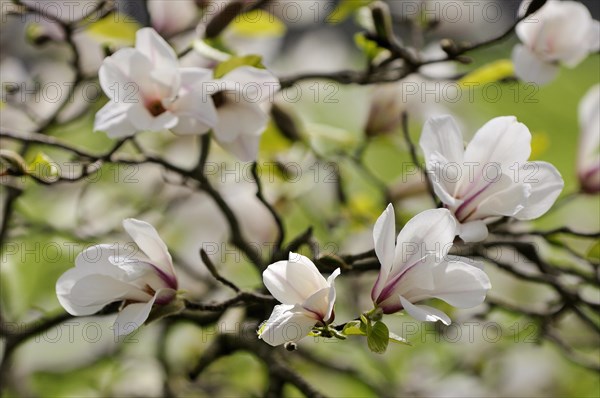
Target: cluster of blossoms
x=150 y=91
x=488 y=179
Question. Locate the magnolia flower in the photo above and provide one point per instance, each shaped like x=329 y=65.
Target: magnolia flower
x=491 y=177
x=170 y=20
x=104 y=274
x=415 y=267
x=560 y=32
x=149 y=91
x=588 y=159
x=241 y=120
x=306 y=296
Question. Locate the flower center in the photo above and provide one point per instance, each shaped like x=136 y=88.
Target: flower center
x=155 y=107
x=219 y=99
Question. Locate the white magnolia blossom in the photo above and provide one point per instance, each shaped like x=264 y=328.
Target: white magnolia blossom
x=241 y=120
x=588 y=158
x=415 y=266
x=560 y=32
x=149 y=91
x=104 y=274
x=168 y=19
x=307 y=298
x=491 y=178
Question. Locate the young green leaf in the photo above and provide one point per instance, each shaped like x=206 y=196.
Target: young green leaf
x=235 y=62
x=378 y=337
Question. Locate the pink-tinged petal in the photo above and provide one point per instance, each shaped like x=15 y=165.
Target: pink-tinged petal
x=412 y=282
x=530 y=68
x=503 y=141
x=546 y=185
x=503 y=196
x=286 y=324
x=113 y=119
x=319 y=304
x=424 y=313
x=472 y=231
x=429 y=232
x=384 y=236
x=156 y=49
x=148 y=240
x=255 y=85
x=101 y=290
x=442 y=135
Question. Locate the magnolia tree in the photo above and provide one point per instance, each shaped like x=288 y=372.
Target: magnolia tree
x=209 y=178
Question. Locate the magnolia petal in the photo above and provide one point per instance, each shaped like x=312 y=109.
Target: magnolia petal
x=239 y=118
x=431 y=231
x=101 y=290
x=413 y=282
x=113 y=119
x=319 y=303
x=244 y=147
x=143 y=120
x=132 y=317
x=594 y=37
x=384 y=234
x=293 y=281
x=503 y=197
x=442 y=135
x=589 y=123
x=255 y=85
x=546 y=185
x=148 y=240
x=286 y=325
x=444 y=185
x=194 y=115
x=530 y=68
x=460 y=284
x=114 y=78
x=156 y=49
x=472 y=231
x=502 y=141
x=65 y=284
x=332 y=294
x=424 y=312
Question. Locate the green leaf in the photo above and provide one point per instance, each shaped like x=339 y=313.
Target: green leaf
x=593 y=253
x=368 y=47
x=235 y=62
x=354 y=328
x=378 y=337
x=44 y=168
x=115 y=29
x=344 y=9
x=488 y=73
x=256 y=24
